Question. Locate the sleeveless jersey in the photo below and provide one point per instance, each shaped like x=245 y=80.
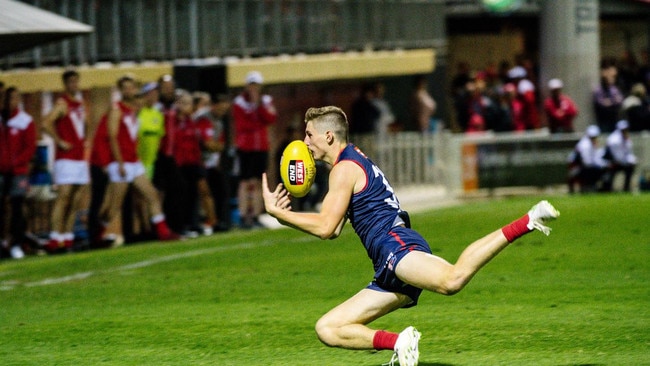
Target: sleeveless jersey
x=101 y=152
x=127 y=135
x=374 y=210
x=72 y=129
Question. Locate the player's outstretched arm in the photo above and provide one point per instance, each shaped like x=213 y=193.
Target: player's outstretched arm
x=325 y=224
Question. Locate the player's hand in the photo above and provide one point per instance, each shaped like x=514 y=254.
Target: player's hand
x=275 y=201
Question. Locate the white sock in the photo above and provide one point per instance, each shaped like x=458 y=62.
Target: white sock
x=158 y=219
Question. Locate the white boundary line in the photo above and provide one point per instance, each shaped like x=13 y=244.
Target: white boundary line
x=11 y=284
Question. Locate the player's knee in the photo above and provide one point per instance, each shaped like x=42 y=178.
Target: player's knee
x=453 y=285
x=450 y=290
x=326 y=334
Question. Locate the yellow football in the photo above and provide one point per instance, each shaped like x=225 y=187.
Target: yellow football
x=297 y=168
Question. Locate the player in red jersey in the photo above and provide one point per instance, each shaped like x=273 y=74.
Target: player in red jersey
x=125 y=168
x=67 y=125
x=252 y=112
x=17 y=147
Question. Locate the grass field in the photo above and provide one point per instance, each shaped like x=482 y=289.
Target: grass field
x=578 y=297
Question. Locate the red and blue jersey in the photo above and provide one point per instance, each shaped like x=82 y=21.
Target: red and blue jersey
x=374 y=210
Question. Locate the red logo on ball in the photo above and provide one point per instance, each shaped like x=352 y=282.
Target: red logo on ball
x=296 y=172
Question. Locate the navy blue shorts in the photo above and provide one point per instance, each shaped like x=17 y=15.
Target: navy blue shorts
x=396 y=244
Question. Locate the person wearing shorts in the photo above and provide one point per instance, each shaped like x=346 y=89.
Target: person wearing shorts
x=252 y=113
x=126 y=169
x=402 y=259
x=67 y=126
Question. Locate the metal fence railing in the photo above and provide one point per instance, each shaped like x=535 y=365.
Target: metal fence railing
x=139 y=30
x=440 y=159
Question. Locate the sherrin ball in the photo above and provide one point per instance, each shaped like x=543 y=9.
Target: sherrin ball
x=297 y=168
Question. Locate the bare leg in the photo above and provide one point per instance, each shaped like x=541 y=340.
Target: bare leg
x=257 y=202
x=205 y=196
x=62 y=208
x=433 y=273
x=345 y=325
x=244 y=201
x=149 y=193
x=79 y=199
x=112 y=207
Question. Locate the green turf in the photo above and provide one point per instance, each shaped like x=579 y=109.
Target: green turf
x=578 y=297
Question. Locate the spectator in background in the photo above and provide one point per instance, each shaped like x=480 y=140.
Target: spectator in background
x=364 y=113
x=459 y=92
x=526 y=94
x=508 y=108
x=167 y=91
x=560 y=109
x=202 y=103
x=166 y=176
x=482 y=111
x=620 y=155
x=386 y=116
x=67 y=125
x=253 y=112
x=17 y=148
x=100 y=157
x=126 y=169
x=586 y=163
x=607 y=98
x=636 y=108
x=187 y=155
x=152 y=127
x=212 y=127
x=423 y=106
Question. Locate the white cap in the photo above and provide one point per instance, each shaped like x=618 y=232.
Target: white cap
x=254 y=77
x=622 y=125
x=148 y=87
x=593 y=131
x=555 y=84
x=517 y=72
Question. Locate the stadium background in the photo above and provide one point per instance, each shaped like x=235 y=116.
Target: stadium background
x=317 y=52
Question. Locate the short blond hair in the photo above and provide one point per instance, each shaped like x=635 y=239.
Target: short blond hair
x=329 y=118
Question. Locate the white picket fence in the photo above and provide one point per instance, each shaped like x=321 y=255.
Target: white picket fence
x=413 y=158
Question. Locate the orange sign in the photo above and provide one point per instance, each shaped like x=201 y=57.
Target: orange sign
x=469 y=167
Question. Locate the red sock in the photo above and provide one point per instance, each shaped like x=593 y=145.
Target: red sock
x=384 y=340
x=516 y=229
x=162 y=230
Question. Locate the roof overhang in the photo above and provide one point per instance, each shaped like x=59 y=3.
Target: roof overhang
x=23 y=27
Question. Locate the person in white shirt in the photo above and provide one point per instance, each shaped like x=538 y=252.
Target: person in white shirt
x=620 y=155
x=587 y=165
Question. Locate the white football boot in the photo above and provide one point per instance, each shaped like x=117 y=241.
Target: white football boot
x=540 y=214
x=406 y=348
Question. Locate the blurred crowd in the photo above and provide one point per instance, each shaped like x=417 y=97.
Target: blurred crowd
x=507 y=98
x=512 y=98
x=156 y=165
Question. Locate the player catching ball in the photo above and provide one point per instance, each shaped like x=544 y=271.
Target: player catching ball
x=404 y=265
